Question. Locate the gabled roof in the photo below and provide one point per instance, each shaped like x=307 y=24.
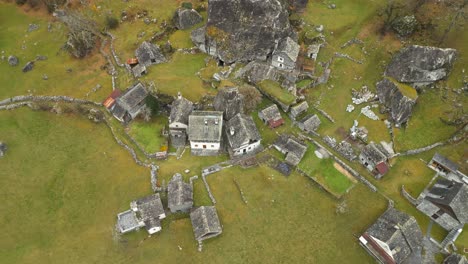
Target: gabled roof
x=229 y=101
x=294 y=150
x=133 y=97
x=442 y=160
x=299 y=109
x=452 y=197
x=311 y=122
x=110 y=100
x=149 y=207
x=400 y=232
x=148 y=52
x=180 y=111
x=289 y=47
x=271 y=113
x=373 y=153
x=178 y=192
x=205 y=126
x=205 y=222
x=241 y=130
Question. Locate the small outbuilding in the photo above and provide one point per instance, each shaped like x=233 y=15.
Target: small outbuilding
x=285 y=54
x=271 y=116
x=447 y=168
x=394 y=238
x=128 y=105
x=179 y=195
x=375 y=158
x=292 y=148
x=298 y=109
x=309 y=123
x=149 y=54
x=205 y=223
x=179 y=119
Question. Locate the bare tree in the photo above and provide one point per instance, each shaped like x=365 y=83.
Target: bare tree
x=252 y=97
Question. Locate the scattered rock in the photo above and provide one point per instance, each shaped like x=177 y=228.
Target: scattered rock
x=331 y=6
x=320 y=29
x=244 y=30
x=349 y=108
x=421 y=65
x=147 y=21
x=41 y=58
x=3 y=148
x=29 y=66
x=45 y=77
x=405 y=26
x=392 y=98
x=32 y=27
x=69 y=70
x=187 y=171
x=13 y=60
x=141 y=34
x=186 y=18
x=362 y=95
x=369 y=113
x=49 y=27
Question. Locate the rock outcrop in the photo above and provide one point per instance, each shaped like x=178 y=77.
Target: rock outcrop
x=244 y=30
x=421 y=65
x=405 y=26
x=186 y=18
x=13 y=60
x=398 y=105
x=29 y=66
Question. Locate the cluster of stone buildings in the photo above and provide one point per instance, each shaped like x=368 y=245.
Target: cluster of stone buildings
x=148 y=212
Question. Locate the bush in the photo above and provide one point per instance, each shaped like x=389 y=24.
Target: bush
x=112 y=22
x=20 y=2
x=187 y=5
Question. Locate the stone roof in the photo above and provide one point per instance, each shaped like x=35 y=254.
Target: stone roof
x=229 y=101
x=205 y=126
x=445 y=162
x=289 y=47
x=180 y=110
x=373 y=153
x=241 y=130
x=179 y=192
x=205 y=222
x=149 y=54
x=294 y=150
x=311 y=122
x=451 y=197
x=130 y=100
x=127 y=221
x=455 y=259
x=400 y=232
x=149 y=207
x=271 y=113
x=299 y=109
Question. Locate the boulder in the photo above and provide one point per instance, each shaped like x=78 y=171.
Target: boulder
x=3 y=149
x=13 y=60
x=32 y=27
x=186 y=18
x=405 y=26
x=398 y=102
x=29 y=66
x=421 y=65
x=245 y=30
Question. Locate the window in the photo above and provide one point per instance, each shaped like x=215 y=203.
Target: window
x=281 y=65
x=212 y=146
x=204 y=146
x=196 y=146
x=280 y=59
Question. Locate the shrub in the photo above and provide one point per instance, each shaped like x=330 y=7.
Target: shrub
x=187 y=5
x=112 y=22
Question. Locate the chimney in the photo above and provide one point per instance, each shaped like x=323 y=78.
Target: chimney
x=179 y=95
x=231 y=130
x=206 y=122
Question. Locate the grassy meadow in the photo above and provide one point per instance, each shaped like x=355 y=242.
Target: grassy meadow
x=64 y=178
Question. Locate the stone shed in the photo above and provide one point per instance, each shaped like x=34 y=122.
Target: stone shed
x=179 y=194
x=205 y=223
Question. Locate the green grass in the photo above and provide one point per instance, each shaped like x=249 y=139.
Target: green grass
x=180 y=76
x=149 y=135
x=405 y=89
x=324 y=172
x=276 y=91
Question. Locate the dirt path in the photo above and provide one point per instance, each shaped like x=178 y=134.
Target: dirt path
x=344 y=172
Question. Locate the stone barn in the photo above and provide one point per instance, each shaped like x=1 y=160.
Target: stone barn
x=205 y=223
x=271 y=116
x=179 y=195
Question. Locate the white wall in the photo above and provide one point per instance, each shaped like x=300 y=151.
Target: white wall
x=209 y=145
x=248 y=148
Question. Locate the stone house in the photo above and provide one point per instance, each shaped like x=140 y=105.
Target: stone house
x=446 y=203
x=128 y=105
x=146 y=212
x=309 y=123
x=242 y=135
x=375 y=158
x=455 y=258
x=271 y=116
x=178 y=120
x=298 y=109
x=284 y=56
x=394 y=238
x=149 y=54
x=229 y=101
x=135 y=68
x=292 y=148
x=447 y=168
x=205 y=223
x=205 y=132
x=179 y=195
